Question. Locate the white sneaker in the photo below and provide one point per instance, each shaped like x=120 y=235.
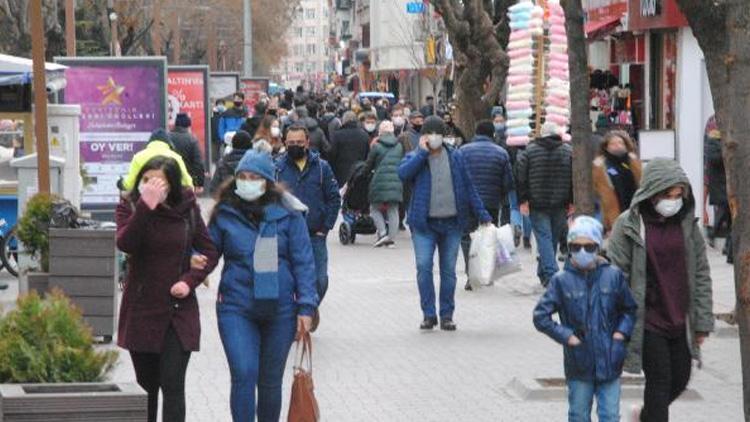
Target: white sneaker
x=390 y=245
x=635 y=412
x=382 y=241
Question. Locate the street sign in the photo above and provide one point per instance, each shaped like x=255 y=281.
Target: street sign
x=415 y=7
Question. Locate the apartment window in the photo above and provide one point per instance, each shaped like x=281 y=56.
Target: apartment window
x=298 y=50
x=325 y=13
x=310 y=31
x=309 y=13
x=298 y=32
x=299 y=67
x=310 y=67
x=310 y=48
x=366 y=35
x=299 y=14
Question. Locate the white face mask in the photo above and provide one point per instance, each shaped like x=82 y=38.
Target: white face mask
x=250 y=190
x=450 y=141
x=399 y=121
x=669 y=207
x=434 y=141
x=275 y=132
x=370 y=127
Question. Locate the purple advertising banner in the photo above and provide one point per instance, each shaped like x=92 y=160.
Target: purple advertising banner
x=122 y=101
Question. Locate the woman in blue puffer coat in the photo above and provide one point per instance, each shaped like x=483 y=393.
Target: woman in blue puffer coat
x=597 y=314
x=267 y=290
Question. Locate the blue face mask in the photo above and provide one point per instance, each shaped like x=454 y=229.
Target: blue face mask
x=250 y=190
x=499 y=127
x=584 y=260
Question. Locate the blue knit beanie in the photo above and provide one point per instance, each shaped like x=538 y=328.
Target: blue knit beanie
x=587 y=227
x=259 y=163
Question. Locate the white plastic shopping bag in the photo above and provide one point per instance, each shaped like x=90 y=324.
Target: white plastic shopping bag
x=506 y=261
x=482 y=255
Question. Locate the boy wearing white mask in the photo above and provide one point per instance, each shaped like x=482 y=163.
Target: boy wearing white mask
x=442 y=198
x=597 y=313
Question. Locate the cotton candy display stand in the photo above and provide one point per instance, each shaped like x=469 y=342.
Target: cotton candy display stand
x=538 y=77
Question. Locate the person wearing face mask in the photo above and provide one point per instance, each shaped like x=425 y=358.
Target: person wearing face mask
x=241 y=143
x=416 y=120
x=442 y=202
x=594 y=336
x=349 y=145
x=453 y=135
x=267 y=294
x=159 y=320
x=397 y=117
x=370 y=124
x=232 y=119
x=657 y=242
x=311 y=179
x=498 y=123
x=216 y=142
x=616 y=173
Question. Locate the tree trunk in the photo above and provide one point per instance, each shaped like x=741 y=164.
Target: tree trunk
x=722 y=28
x=580 y=125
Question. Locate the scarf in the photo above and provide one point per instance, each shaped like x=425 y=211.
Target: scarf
x=621 y=176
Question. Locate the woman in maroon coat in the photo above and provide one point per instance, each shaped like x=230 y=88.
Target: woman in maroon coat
x=159 y=225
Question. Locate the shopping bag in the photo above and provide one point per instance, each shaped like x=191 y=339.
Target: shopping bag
x=482 y=255
x=303 y=406
x=506 y=260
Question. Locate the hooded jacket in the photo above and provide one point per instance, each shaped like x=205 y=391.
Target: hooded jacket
x=160 y=243
x=315 y=186
x=153 y=149
x=592 y=306
x=627 y=250
x=318 y=141
x=230 y=121
x=349 y=144
x=489 y=167
x=235 y=239
x=225 y=168
x=544 y=174
x=715 y=173
x=384 y=159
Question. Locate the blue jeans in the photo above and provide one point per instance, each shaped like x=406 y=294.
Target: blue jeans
x=320 y=253
x=581 y=397
x=516 y=218
x=548 y=226
x=256 y=351
x=445 y=235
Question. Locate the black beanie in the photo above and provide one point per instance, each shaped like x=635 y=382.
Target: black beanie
x=242 y=140
x=433 y=125
x=485 y=128
x=182 y=120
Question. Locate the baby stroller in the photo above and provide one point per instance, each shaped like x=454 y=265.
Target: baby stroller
x=356 y=207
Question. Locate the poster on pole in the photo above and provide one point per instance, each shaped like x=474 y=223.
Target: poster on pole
x=122 y=99
x=187 y=92
x=222 y=85
x=253 y=88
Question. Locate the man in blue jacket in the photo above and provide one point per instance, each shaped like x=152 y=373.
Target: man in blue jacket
x=597 y=314
x=488 y=165
x=311 y=179
x=442 y=201
x=233 y=118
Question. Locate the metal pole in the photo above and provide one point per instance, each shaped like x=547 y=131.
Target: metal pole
x=70 y=27
x=156 y=29
x=40 y=95
x=247 y=62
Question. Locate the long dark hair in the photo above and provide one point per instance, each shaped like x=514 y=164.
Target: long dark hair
x=171 y=170
x=252 y=210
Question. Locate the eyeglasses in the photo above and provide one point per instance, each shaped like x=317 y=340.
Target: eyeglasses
x=589 y=247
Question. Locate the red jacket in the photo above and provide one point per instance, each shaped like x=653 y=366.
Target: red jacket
x=159 y=247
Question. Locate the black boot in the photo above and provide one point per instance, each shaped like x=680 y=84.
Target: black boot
x=429 y=323
x=468 y=287
x=527 y=243
x=447 y=324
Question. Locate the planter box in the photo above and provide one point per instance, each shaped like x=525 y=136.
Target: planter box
x=82 y=264
x=111 y=402
x=38 y=282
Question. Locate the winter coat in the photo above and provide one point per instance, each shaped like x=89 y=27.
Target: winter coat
x=230 y=121
x=186 y=145
x=315 y=186
x=160 y=243
x=154 y=149
x=328 y=121
x=715 y=174
x=544 y=174
x=225 y=168
x=605 y=190
x=592 y=306
x=627 y=250
x=349 y=145
x=384 y=159
x=415 y=170
x=414 y=136
x=489 y=167
x=235 y=239
x=318 y=141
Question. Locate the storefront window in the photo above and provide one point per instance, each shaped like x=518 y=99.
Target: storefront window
x=662 y=80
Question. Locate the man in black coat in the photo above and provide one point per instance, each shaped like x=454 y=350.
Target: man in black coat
x=544 y=179
x=186 y=145
x=716 y=179
x=349 y=145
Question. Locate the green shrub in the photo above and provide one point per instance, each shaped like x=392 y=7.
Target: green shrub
x=33 y=228
x=46 y=341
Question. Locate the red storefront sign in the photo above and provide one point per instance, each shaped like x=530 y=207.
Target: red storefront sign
x=644 y=15
x=615 y=8
x=253 y=88
x=187 y=92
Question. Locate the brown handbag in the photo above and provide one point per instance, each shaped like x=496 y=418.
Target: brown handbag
x=303 y=407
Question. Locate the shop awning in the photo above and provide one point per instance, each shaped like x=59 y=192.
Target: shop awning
x=601 y=27
x=19 y=71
